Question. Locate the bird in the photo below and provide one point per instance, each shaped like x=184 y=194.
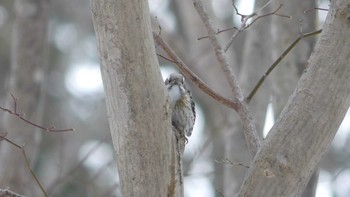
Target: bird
x=182 y=104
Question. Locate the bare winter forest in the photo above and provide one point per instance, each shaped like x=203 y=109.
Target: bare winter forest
x=84 y=110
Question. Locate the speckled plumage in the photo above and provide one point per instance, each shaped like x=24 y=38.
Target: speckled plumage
x=183 y=108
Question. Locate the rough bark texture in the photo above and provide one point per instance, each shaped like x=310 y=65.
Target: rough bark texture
x=28 y=71
x=311 y=117
x=137 y=106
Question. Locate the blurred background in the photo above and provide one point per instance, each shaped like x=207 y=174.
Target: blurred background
x=81 y=162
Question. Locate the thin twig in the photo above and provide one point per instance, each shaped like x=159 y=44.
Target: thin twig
x=32 y=172
x=268 y=14
x=185 y=71
x=312 y=9
x=227 y=161
x=159 y=27
x=279 y=59
x=248 y=125
x=218 y=32
x=21 y=116
x=8 y=193
x=26 y=160
x=254 y=16
x=162 y=56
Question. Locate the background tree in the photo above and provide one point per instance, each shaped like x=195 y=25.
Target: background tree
x=26 y=81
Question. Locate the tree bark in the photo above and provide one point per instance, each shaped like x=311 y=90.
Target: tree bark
x=26 y=79
x=311 y=117
x=137 y=106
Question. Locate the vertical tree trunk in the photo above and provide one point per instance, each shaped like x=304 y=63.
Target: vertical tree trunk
x=137 y=106
x=28 y=71
x=310 y=118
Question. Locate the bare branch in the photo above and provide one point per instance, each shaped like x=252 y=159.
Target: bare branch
x=312 y=9
x=279 y=59
x=220 y=56
x=21 y=116
x=26 y=160
x=269 y=14
x=254 y=17
x=227 y=161
x=185 y=71
x=9 y=193
x=32 y=172
x=159 y=27
x=162 y=56
x=218 y=32
x=249 y=128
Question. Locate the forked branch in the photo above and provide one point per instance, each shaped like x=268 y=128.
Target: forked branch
x=249 y=20
x=26 y=160
x=21 y=116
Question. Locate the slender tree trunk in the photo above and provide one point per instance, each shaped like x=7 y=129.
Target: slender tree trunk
x=310 y=118
x=27 y=75
x=255 y=61
x=137 y=105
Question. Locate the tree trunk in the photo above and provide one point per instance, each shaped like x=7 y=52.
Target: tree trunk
x=310 y=118
x=138 y=109
x=27 y=75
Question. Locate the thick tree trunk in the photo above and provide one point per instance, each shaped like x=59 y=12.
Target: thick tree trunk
x=137 y=106
x=26 y=79
x=310 y=118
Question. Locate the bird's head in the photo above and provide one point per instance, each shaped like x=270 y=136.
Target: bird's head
x=174 y=79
